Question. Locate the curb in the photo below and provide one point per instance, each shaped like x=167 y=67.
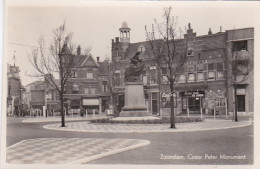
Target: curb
x=98 y=156
x=167 y=130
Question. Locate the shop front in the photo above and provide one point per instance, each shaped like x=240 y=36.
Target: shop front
x=193 y=102
x=91 y=105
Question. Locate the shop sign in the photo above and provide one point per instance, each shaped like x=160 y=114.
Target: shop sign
x=194 y=94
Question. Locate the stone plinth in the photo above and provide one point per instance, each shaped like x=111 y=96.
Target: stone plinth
x=134 y=101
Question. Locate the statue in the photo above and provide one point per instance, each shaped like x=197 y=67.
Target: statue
x=133 y=72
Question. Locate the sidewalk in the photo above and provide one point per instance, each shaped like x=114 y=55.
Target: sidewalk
x=144 y=128
x=58 y=118
x=68 y=150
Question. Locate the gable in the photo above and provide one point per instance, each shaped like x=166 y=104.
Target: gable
x=89 y=62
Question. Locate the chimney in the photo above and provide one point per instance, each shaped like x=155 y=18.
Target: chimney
x=98 y=59
x=79 y=50
x=209 y=32
x=220 y=29
x=117 y=39
x=113 y=41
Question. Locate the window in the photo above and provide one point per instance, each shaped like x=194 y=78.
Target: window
x=153 y=79
x=200 y=73
x=141 y=49
x=117 y=77
x=211 y=71
x=190 y=51
x=220 y=70
x=190 y=68
x=240 y=45
x=86 y=90
x=144 y=77
x=74 y=74
x=89 y=75
x=104 y=83
x=93 y=90
x=200 y=76
x=211 y=75
x=164 y=75
x=191 y=77
x=182 y=78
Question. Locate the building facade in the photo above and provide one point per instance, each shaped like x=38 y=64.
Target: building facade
x=86 y=90
x=202 y=85
x=15 y=104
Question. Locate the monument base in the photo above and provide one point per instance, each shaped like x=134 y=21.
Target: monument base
x=134 y=113
x=134 y=101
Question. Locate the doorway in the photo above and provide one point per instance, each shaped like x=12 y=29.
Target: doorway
x=241 y=103
x=194 y=104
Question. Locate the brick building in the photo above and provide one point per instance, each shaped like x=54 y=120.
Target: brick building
x=201 y=86
x=87 y=87
x=39 y=96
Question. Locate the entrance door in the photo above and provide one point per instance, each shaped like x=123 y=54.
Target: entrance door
x=241 y=103
x=194 y=104
x=154 y=106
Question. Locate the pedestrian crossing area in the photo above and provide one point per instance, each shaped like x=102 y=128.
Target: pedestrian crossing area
x=67 y=150
x=195 y=126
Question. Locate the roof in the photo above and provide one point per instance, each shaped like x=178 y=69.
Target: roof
x=124 y=26
x=104 y=68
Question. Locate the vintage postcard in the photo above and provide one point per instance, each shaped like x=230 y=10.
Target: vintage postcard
x=130 y=84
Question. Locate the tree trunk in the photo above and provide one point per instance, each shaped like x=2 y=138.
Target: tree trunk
x=235 y=94
x=62 y=109
x=172 y=107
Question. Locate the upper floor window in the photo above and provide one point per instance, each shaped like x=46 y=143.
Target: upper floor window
x=141 y=48
x=117 y=78
x=220 y=70
x=144 y=77
x=190 y=51
x=104 y=86
x=89 y=75
x=240 y=45
x=92 y=90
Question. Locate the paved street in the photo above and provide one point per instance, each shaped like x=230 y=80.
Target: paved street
x=229 y=142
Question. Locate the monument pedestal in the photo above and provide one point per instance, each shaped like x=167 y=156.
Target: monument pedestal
x=134 y=101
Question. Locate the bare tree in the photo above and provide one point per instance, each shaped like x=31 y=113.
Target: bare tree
x=167 y=56
x=59 y=59
x=112 y=89
x=239 y=66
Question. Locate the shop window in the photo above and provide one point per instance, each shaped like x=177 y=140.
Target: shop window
x=89 y=75
x=240 y=45
x=191 y=77
x=166 y=102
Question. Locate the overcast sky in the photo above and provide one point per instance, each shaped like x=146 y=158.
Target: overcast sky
x=96 y=25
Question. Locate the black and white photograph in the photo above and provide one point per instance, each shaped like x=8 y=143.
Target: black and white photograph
x=129 y=84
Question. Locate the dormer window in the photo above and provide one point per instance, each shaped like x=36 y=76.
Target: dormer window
x=141 y=48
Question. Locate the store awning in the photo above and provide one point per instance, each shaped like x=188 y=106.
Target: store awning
x=90 y=102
